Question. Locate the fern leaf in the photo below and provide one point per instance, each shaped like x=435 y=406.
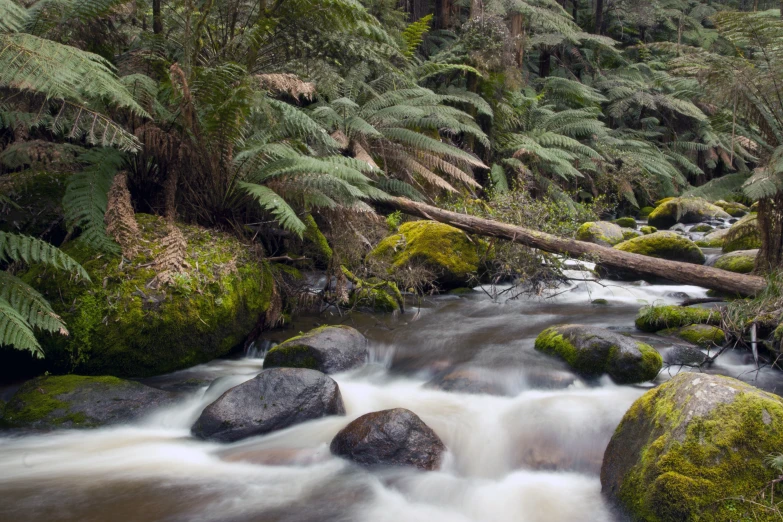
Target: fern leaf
x=17 y=247
x=16 y=332
x=31 y=305
x=272 y=202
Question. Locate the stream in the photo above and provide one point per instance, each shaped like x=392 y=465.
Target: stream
x=532 y=453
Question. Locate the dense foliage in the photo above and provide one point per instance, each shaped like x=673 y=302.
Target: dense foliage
x=277 y=118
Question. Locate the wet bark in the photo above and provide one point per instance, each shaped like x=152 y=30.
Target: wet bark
x=707 y=277
x=599 y=16
x=157 y=18
x=443 y=10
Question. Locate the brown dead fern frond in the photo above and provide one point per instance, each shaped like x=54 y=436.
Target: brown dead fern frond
x=171 y=260
x=120 y=219
x=289 y=84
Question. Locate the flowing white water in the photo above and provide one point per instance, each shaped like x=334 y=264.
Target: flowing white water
x=533 y=455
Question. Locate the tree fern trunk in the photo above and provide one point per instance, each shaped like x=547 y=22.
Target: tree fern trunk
x=443 y=14
x=157 y=18
x=771 y=227
x=599 y=16
x=517 y=35
x=544 y=63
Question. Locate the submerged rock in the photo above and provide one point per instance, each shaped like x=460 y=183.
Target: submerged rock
x=130 y=324
x=328 y=349
x=714 y=239
x=593 y=351
x=703 y=335
x=446 y=251
x=472 y=379
x=664 y=245
x=702 y=227
x=743 y=235
x=684 y=210
x=275 y=399
x=75 y=401
x=600 y=232
x=739 y=261
x=691 y=448
x=656 y=318
x=396 y=437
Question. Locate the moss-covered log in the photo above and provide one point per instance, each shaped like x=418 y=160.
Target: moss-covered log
x=687 y=273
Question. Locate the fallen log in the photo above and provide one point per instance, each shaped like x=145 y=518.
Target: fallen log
x=686 y=273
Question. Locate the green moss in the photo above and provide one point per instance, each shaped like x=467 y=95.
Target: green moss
x=314 y=235
x=648 y=229
x=629 y=233
x=625 y=222
x=38 y=400
x=683 y=210
x=700 y=468
x=121 y=325
x=702 y=228
x=600 y=232
x=665 y=245
x=645 y=211
x=553 y=343
x=294 y=355
x=656 y=318
x=739 y=261
x=733 y=208
x=703 y=335
x=446 y=250
x=602 y=302
x=743 y=235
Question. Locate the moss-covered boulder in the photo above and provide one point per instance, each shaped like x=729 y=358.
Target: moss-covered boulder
x=732 y=208
x=37 y=196
x=600 y=232
x=714 y=239
x=328 y=349
x=684 y=210
x=664 y=245
x=703 y=335
x=625 y=222
x=648 y=230
x=656 y=318
x=591 y=352
x=75 y=401
x=743 y=235
x=629 y=233
x=740 y=261
x=129 y=323
x=374 y=294
x=693 y=449
x=446 y=251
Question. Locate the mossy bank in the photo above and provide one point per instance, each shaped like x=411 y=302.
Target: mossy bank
x=125 y=323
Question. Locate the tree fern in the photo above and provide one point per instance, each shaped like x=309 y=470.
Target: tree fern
x=17 y=247
x=16 y=332
x=31 y=305
x=272 y=202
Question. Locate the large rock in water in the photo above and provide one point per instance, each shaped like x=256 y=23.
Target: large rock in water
x=684 y=210
x=592 y=351
x=656 y=318
x=664 y=245
x=74 y=401
x=743 y=235
x=600 y=232
x=125 y=324
x=396 y=437
x=273 y=400
x=446 y=251
x=739 y=261
x=692 y=448
x=329 y=349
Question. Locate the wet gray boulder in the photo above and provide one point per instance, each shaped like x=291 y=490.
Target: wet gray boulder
x=680 y=355
x=685 y=449
x=396 y=437
x=592 y=351
x=600 y=232
x=328 y=349
x=275 y=399
x=509 y=381
x=75 y=401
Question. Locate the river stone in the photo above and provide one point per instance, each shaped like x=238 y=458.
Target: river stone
x=684 y=210
x=75 y=401
x=600 y=232
x=733 y=208
x=396 y=437
x=275 y=399
x=703 y=335
x=687 y=448
x=714 y=239
x=739 y=261
x=592 y=351
x=743 y=235
x=465 y=379
x=680 y=355
x=328 y=349
x=664 y=245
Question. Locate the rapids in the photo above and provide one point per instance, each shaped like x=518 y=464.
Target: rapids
x=533 y=455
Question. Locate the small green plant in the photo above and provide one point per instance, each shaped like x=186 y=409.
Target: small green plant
x=393 y=220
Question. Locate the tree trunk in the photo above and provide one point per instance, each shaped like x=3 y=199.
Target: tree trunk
x=476 y=8
x=517 y=34
x=443 y=14
x=157 y=19
x=544 y=63
x=599 y=16
x=770 y=218
x=575 y=11
x=685 y=273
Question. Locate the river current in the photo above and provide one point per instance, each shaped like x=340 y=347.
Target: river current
x=532 y=454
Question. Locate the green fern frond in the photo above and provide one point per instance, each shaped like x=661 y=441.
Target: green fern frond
x=12 y=17
x=16 y=332
x=17 y=247
x=413 y=35
x=31 y=305
x=271 y=201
